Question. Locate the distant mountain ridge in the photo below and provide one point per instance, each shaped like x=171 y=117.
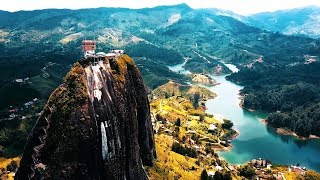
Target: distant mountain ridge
x=156 y=37
x=38 y=46
x=290 y=22
x=301 y=21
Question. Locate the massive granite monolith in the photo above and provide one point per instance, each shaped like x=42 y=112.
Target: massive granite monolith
x=95 y=125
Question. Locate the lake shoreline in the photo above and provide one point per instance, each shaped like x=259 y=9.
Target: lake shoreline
x=244 y=119
x=241 y=97
x=233 y=137
x=280 y=131
x=205 y=85
x=230 y=146
x=287 y=132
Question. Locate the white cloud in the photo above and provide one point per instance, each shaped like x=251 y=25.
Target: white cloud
x=239 y=6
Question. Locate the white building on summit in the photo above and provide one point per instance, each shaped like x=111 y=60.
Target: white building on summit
x=89 y=47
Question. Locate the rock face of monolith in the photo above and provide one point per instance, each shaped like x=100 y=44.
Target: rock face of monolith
x=96 y=125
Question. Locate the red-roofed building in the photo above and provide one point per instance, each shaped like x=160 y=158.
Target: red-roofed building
x=88 y=47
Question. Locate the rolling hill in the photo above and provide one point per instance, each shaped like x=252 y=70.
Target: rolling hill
x=300 y=21
x=31 y=41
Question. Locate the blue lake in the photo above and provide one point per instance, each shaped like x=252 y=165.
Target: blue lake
x=256 y=140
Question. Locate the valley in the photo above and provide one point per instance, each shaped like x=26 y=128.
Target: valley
x=212 y=78
x=256 y=140
x=168 y=104
x=253 y=135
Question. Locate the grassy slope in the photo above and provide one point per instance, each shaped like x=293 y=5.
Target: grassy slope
x=171 y=165
x=186 y=91
x=170 y=109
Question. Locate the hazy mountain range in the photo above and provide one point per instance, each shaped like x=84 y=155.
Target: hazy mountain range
x=302 y=21
x=277 y=54
x=41 y=44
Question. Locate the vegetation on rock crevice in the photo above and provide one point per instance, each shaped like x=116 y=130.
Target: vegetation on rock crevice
x=120 y=68
x=61 y=106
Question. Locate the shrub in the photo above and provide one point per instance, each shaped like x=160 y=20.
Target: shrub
x=176 y=147
x=160 y=118
x=204 y=175
x=247 y=171
x=12 y=166
x=201 y=118
x=209 y=149
x=198 y=162
x=178 y=122
x=222 y=176
x=227 y=124
x=195 y=103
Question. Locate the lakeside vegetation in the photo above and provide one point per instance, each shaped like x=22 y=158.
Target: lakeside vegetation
x=187 y=149
x=205 y=64
x=290 y=92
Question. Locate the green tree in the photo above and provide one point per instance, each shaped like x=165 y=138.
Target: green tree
x=204 y=175
x=222 y=176
x=247 y=171
x=227 y=124
x=176 y=147
x=227 y=176
x=12 y=166
x=201 y=118
x=196 y=97
x=208 y=149
x=178 y=122
x=218 y=175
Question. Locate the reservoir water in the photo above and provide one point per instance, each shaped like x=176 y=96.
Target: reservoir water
x=256 y=140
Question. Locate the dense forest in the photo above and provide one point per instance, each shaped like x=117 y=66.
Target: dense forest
x=291 y=92
x=206 y=64
x=158 y=54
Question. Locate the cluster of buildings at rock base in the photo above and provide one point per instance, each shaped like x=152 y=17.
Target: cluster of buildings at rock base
x=89 y=48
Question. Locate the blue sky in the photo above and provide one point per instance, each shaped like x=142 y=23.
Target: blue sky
x=243 y=7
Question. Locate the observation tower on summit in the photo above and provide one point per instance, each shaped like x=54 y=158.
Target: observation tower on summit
x=88 y=47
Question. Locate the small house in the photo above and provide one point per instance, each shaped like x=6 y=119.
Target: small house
x=111 y=55
x=101 y=54
x=212 y=128
x=118 y=51
x=211 y=173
